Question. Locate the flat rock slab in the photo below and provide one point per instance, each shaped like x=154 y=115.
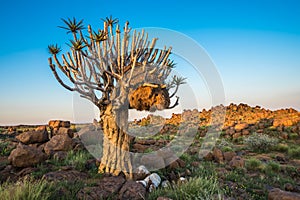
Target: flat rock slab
x=69 y=175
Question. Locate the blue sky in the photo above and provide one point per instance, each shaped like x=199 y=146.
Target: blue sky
x=255 y=46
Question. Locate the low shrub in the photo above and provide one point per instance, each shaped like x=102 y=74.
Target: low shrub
x=260 y=142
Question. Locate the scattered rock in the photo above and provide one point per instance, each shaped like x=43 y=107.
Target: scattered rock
x=33 y=137
x=59 y=123
x=277 y=194
x=195 y=164
x=139 y=147
x=60 y=155
x=26 y=156
x=241 y=126
x=218 y=155
x=289 y=187
x=149 y=98
x=132 y=190
x=141 y=173
x=64 y=131
x=229 y=155
x=237 y=162
x=163 y=198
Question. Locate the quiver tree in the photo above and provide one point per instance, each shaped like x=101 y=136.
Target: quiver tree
x=116 y=71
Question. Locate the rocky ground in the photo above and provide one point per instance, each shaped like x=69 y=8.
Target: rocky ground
x=257 y=156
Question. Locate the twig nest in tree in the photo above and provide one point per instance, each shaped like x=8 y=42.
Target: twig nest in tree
x=149 y=97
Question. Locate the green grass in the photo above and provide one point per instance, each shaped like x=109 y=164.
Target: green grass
x=194 y=188
x=272 y=167
x=281 y=148
x=75 y=159
x=253 y=164
x=294 y=152
x=31 y=189
x=26 y=189
x=64 y=190
x=5 y=149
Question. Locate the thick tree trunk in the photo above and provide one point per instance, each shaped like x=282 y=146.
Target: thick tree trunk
x=116 y=143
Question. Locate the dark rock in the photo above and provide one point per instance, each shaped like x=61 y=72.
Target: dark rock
x=60 y=155
x=289 y=187
x=64 y=131
x=132 y=190
x=277 y=194
x=107 y=188
x=141 y=172
x=68 y=175
x=229 y=155
x=58 y=143
x=26 y=156
x=149 y=98
x=218 y=155
x=33 y=137
x=195 y=164
x=59 y=123
x=237 y=162
x=139 y=147
x=163 y=198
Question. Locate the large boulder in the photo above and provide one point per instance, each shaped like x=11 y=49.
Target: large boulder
x=58 y=143
x=32 y=137
x=132 y=190
x=277 y=194
x=26 y=156
x=149 y=97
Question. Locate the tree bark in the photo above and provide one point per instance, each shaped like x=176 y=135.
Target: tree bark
x=116 y=142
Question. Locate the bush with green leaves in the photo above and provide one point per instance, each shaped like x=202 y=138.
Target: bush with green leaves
x=260 y=142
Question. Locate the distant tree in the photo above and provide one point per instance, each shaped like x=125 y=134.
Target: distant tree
x=116 y=71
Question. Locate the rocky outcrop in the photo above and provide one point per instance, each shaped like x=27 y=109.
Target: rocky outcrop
x=26 y=156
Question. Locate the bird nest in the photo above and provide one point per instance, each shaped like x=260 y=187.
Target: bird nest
x=149 y=97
